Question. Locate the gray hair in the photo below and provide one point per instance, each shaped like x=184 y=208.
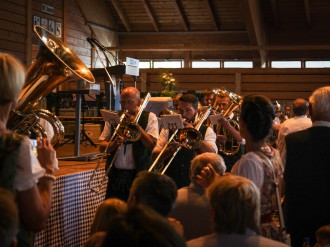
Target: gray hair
x=201 y=160
x=320 y=104
x=235 y=202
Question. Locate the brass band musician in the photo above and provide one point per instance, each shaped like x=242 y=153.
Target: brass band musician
x=179 y=168
x=221 y=103
x=133 y=156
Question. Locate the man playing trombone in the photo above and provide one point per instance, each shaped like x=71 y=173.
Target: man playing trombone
x=179 y=168
x=127 y=157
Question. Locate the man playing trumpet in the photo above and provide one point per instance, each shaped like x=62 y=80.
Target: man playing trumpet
x=179 y=168
x=132 y=157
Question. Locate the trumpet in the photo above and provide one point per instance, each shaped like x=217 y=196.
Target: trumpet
x=189 y=138
x=129 y=132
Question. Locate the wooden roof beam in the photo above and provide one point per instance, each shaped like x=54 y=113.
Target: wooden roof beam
x=212 y=14
x=254 y=25
x=122 y=15
x=274 y=8
x=151 y=15
x=179 y=10
x=214 y=47
x=308 y=12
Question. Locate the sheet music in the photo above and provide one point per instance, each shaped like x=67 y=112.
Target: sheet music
x=215 y=118
x=110 y=116
x=172 y=122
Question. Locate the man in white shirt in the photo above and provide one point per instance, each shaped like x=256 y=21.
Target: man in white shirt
x=179 y=168
x=132 y=157
x=299 y=122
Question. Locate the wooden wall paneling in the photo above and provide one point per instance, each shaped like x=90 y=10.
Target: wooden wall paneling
x=28 y=46
x=13 y=28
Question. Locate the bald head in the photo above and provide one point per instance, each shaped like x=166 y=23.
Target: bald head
x=131 y=92
x=300 y=107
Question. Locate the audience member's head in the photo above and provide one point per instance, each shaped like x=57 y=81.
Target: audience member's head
x=154 y=190
x=201 y=161
x=235 y=205
x=257 y=114
x=320 y=104
x=142 y=227
x=323 y=236
x=12 y=78
x=300 y=107
x=105 y=212
x=9 y=219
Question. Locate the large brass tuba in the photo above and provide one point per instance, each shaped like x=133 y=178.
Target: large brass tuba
x=230 y=147
x=54 y=65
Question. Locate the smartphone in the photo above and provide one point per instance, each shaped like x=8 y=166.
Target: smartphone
x=34 y=146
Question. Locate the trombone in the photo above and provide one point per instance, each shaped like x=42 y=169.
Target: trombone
x=189 y=138
x=130 y=132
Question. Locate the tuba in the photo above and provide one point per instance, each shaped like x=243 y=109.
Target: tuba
x=54 y=65
x=229 y=147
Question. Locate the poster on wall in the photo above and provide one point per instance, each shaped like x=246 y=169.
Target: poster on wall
x=36 y=20
x=51 y=26
x=58 y=29
x=44 y=23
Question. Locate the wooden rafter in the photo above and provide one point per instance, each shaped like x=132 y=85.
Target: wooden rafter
x=254 y=25
x=151 y=15
x=179 y=10
x=308 y=12
x=213 y=47
x=122 y=15
x=274 y=8
x=212 y=14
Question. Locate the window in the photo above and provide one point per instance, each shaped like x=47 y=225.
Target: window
x=286 y=64
x=317 y=64
x=144 y=64
x=168 y=64
x=205 y=64
x=238 y=64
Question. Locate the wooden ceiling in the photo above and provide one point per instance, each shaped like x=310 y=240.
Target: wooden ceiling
x=258 y=30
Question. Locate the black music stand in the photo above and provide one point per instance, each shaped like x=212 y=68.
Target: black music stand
x=84 y=136
x=77 y=157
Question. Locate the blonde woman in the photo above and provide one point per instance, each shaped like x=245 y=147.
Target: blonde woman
x=29 y=176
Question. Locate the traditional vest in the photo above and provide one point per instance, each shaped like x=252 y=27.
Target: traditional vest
x=180 y=166
x=9 y=150
x=140 y=153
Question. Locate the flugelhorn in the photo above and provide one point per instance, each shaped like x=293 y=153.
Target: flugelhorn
x=54 y=65
x=130 y=131
x=189 y=138
x=231 y=146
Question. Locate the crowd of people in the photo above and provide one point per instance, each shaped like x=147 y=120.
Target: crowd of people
x=234 y=189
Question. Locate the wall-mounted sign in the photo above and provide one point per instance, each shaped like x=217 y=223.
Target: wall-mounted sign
x=47 y=9
x=132 y=66
x=58 y=29
x=51 y=26
x=36 y=20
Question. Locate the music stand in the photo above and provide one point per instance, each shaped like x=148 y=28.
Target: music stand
x=77 y=157
x=85 y=137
